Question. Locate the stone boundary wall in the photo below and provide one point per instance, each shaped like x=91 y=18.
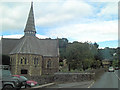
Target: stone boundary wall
x=42 y=79
x=68 y=77
x=73 y=77
x=63 y=77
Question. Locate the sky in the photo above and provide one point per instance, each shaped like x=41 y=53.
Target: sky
x=76 y=20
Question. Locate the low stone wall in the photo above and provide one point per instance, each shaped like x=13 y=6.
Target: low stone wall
x=73 y=77
x=42 y=79
x=68 y=77
x=63 y=77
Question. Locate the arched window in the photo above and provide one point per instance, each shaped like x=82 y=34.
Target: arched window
x=49 y=64
x=25 y=61
x=35 y=61
x=21 y=61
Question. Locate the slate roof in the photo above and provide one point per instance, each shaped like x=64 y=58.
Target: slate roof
x=30 y=26
x=8 y=44
x=33 y=45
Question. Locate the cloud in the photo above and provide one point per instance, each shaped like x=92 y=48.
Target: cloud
x=41 y=36
x=103 y=0
x=48 y=13
x=110 y=10
x=57 y=13
x=30 y=0
x=58 y=0
x=13 y=18
x=18 y=36
x=14 y=15
x=95 y=31
x=73 y=19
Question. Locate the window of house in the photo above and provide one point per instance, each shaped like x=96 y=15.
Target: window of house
x=35 y=60
x=25 y=61
x=49 y=64
x=24 y=71
x=21 y=60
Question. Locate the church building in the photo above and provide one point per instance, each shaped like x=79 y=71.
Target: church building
x=30 y=55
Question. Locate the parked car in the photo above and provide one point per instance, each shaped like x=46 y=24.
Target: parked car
x=22 y=80
x=111 y=69
x=29 y=83
x=8 y=81
x=116 y=68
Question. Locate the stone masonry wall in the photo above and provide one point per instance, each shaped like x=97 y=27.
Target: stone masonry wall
x=54 y=67
x=73 y=77
x=42 y=79
x=63 y=77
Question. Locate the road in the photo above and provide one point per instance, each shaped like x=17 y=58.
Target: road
x=107 y=80
x=72 y=85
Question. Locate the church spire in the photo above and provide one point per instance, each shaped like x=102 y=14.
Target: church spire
x=30 y=25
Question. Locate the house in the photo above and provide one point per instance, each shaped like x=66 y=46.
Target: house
x=30 y=55
x=108 y=55
x=106 y=63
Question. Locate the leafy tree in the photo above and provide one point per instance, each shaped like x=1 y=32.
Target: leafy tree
x=115 y=63
x=62 y=48
x=87 y=63
x=99 y=55
x=96 y=45
x=79 y=55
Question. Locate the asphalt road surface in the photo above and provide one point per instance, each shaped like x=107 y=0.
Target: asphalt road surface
x=72 y=85
x=107 y=80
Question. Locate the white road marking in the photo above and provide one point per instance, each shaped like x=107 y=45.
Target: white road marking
x=117 y=76
x=91 y=84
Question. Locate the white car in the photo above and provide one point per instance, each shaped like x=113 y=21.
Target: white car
x=111 y=69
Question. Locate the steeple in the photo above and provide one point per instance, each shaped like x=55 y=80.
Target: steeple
x=30 y=25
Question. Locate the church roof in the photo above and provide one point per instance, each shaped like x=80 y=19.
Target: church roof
x=8 y=44
x=33 y=45
x=30 y=25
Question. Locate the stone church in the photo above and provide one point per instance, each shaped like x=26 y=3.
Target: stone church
x=30 y=55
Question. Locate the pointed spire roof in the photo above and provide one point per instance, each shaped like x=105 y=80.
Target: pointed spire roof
x=30 y=25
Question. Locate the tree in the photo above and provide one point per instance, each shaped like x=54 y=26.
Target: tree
x=79 y=55
x=87 y=63
x=96 y=45
x=115 y=63
x=62 y=48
